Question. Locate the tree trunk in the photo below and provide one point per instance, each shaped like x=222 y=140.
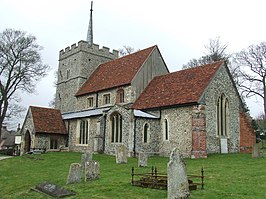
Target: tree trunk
x=264 y=95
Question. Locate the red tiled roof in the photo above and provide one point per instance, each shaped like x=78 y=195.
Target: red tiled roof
x=115 y=73
x=47 y=120
x=181 y=87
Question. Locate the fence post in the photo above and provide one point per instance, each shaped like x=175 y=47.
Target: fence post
x=132 y=175
x=202 y=179
x=156 y=181
x=152 y=169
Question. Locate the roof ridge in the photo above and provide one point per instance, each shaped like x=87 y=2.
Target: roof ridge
x=126 y=67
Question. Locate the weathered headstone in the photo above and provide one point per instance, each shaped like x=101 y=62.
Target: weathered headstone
x=85 y=157
x=142 y=160
x=121 y=154
x=256 y=151
x=92 y=170
x=224 y=147
x=74 y=174
x=53 y=190
x=177 y=181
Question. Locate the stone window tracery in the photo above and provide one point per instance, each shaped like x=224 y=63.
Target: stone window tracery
x=222 y=116
x=116 y=128
x=83 y=132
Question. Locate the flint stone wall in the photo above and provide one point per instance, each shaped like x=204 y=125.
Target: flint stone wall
x=154 y=131
x=179 y=128
x=127 y=129
x=222 y=84
x=73 y=127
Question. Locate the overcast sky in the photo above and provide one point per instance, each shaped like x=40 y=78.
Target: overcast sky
x=179 y=28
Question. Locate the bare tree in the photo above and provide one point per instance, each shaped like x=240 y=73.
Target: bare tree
x=216 y=51
x=20 y=68
x=251 y=66
x=126 y=50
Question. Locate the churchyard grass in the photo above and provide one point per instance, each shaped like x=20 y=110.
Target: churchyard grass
x=227 y=176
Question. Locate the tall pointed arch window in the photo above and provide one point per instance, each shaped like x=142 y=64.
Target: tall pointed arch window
x=146 y=133
x=83 y=132
x=222 y=116
x=116 y=128
x=166 y=130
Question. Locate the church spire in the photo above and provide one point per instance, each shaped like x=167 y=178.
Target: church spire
x=90 y=32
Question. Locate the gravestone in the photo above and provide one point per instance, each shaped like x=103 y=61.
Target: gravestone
x=85 y=157
x=53 y=190
x=74 y=174
x=177 y=181
x=142 y=160
x=256 y=151
x=224 y=147
x=92 y=170
x=121 y=154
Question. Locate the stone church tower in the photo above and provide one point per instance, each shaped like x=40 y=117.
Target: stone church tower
x=76 y=64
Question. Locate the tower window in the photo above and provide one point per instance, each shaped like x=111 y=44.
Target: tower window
x=116 y=128
x=68 y=73
x=222 y=116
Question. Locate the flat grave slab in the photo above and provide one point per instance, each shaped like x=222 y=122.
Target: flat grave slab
x=53 y=190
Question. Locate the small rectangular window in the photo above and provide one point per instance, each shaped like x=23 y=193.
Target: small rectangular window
x=106 y=99
x=89 y=102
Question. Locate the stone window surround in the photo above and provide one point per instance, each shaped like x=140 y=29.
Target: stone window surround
x=165 y=134
x=106 y=99
x=78 y=132
x=146 y=127
x=116 y=128
x=222 y=113
x=68 y=74
x=90 y=102
x=120 y=96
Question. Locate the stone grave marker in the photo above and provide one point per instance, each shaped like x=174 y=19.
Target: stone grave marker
x=85 y=157
x=53 y=190
x=74 y=174
x=92 y=170
x=121 y=154
x=256 y=151
x=224 y=145
x=177 y=181
x=142 y=160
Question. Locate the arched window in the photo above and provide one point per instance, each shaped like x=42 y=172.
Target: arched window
x=84 y=133
x=120 y=96
x=166 y=130
x=116 y=128
x=222 y=116
x=146 y=133
x=68 y=73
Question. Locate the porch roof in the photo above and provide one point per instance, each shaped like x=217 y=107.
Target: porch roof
x=85 y=113
x=138 y=113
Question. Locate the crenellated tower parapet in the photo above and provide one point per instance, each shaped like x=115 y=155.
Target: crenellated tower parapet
x=85 y=47
x=76 y=64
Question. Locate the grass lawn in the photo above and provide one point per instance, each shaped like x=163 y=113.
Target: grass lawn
x=227 y=176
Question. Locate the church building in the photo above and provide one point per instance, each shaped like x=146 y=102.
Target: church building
x=104 y=100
